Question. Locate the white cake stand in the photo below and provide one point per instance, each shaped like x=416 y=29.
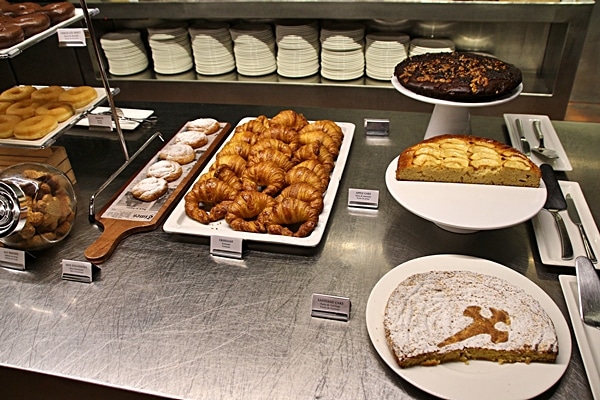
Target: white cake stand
x=451 y=117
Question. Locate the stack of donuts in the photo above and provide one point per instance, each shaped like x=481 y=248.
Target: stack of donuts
x=29 y=113
x=270 y=177
x=19 y=21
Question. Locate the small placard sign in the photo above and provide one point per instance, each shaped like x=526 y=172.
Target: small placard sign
x=377 y=127
x=100 y=121
x=363 y=198
x=78 y=271
x=71 y=37
x=11 y=258
x=330 y=307
x=226 y=246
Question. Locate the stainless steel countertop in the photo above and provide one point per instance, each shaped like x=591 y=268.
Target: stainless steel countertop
x=164 y=317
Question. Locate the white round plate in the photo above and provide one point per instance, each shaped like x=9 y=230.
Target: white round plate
x=398 y=86
x=464 y=208
x=478 y=379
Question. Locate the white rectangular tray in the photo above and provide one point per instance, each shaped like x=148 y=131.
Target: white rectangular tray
x=178 y=222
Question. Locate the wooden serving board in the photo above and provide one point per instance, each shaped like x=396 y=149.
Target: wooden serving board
x=117 y=228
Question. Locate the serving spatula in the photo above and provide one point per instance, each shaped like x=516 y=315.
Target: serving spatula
x=588 y=285
x=555 y=202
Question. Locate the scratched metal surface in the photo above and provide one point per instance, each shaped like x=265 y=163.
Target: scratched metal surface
x=166 y=318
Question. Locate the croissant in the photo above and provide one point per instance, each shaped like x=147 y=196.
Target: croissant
x=282 y=133
x=307 y=152
x=290 y=119
x=239 y=147
x=326 y=158
x=265 y=174
x=208 y=200
x=290 y=217
x=256 y=125
x=268 y=143
x=305 y=192
x=317 y=167
x=226 y=174
x=275 y=156
x=233 y=161
x=319 y=136
x=244 y=209
x=303 y=174
x=327 y=126
x=244 y=136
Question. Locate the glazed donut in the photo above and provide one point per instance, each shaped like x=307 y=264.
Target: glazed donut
x=7 y=125
x=49 y=93
x=10 y=34
x=35 y=127
x=61 y=110
x=32 y=24
x=4 y=105
x=178 y=152
x=17 y=93
x=195 y=139
x=17 y=9
x=166 y=169
x=24 y=108
x=149 y=189
x=59 y=12
x=79 y=96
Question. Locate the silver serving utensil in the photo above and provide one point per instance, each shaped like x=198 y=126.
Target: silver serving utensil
x=524 y=143
x=541 y=149
x=555 y=202
x=574 y=216
x=588 y=285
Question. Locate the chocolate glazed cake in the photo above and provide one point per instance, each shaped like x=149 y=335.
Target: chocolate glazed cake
x=461 y=77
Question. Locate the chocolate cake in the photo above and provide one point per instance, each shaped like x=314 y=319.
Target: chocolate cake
x=461 y=77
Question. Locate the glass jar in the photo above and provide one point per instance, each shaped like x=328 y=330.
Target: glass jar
x=37 y=206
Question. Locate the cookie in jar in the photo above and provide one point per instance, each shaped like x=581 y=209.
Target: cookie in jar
x=37 y=206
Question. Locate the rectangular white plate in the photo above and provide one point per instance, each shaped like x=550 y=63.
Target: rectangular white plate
x=546 y=233
x=125 y=124
x=588 y=337
x=551 y=139
x=178 y=222
x=52 y=136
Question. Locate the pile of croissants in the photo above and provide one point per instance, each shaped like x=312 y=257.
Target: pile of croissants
x=270 y=177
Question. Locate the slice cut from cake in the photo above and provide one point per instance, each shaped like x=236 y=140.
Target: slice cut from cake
x=467 y=159
x=442 y=316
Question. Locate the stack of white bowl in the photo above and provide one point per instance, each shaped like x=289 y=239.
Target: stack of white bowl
x=125 y=52
x=297 y=48
x=426 y=45
x=342 y=51
x=254 y=49
x=171 y=48
x=383 y=52
x=212 y=48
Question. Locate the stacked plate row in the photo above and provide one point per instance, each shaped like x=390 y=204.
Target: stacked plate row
x=384 y=50
x=171 y=48
x=297 y=48
x=254 y=49
x=212 y=48
x=426 y=45
x=342 y=51
x=125 y=52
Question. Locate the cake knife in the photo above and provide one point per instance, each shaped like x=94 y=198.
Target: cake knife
x=574 y=216
x=555 y=202
x=524 y=143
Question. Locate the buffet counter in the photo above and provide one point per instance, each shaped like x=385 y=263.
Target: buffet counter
x=165 y=318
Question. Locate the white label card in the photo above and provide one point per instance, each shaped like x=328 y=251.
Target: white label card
x=226 y=246
x=79 y=271
x=71 y=37
x=363 y=198
x=100 y=121
x=330 y=307
x=11 y=258
x=377 y=127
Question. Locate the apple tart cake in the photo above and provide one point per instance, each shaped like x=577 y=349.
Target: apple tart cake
x=442 y=316
x=467 y=159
